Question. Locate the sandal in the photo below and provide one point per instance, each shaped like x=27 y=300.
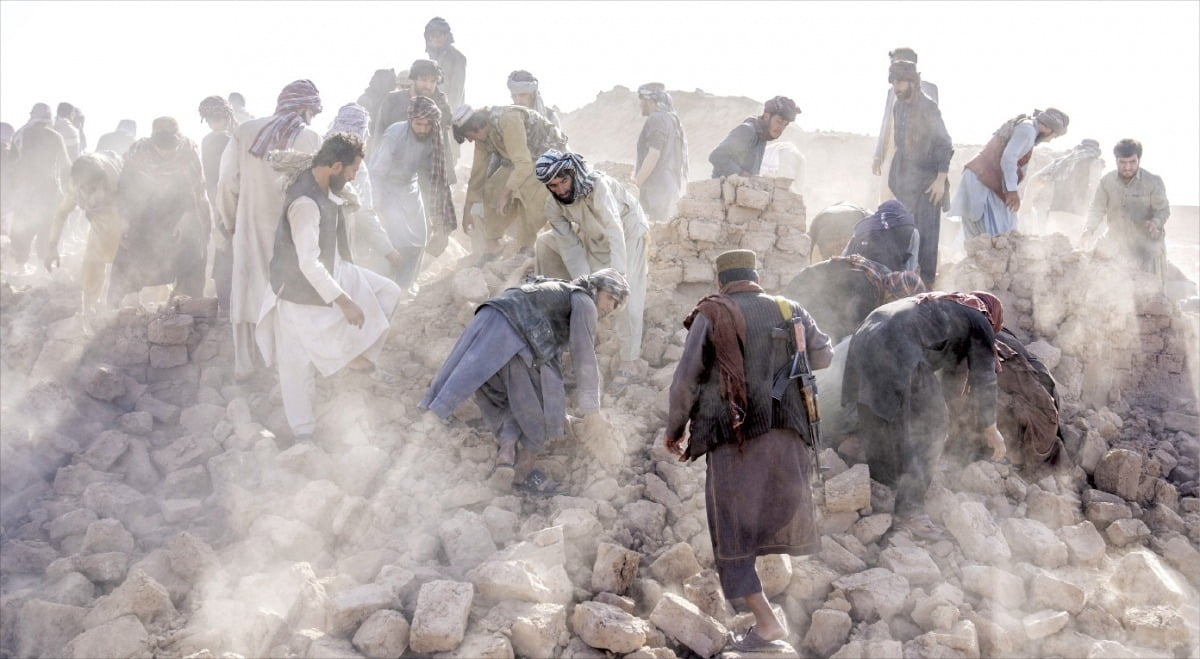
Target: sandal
x=537 y=482
x=752 y=642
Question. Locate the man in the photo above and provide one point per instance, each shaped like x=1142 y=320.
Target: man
x=892 y=369
x=39 y=178
x=832 y=228
x=79 y=119
x=1132 y=204
x=7 y=162
x=383 y=82
x=120 y=139
x=438 y=45
x=888 y=237
x=95 y=181
x=65 y=127
x=509 y=357
x=595 y=223
x=987 y=199
x=742 y=150
x=252 y=203
x=1060 y=192
x=321 y=310
x=756 y=444
x=884 y=145
x=166 y=216
x=524 y=89
x=239 y=107
x=411 y=159
x=923 y=150
x=426 y=78
x=662 y=154
x=516 y=135
x=219 y=115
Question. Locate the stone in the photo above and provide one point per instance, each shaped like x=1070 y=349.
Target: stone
x=511 y=580
x=161 y=411
x=72 y=589
x=119 y=639
x=751 y=198
x=859 y=648
x=440 y=620
x=977 y=533
x=1049 y=354
x=167 y=356
x=289 y=539
x=74 y=522
x=682 y=621
x=1032 y=541
x=481 y=645
x=827 y=631
x=469 y=285
x=1156 y=626
x=201 y=419
x=838 y=557
x=675 y=564
x=1110 y=650
x=1127 y=531
x=190 y=557
x=615 y=568
x=578 y=524
x=139 y=595
x=187 y=451
x=466 y=539
x=1050 y=592
x=1044 y=623
x=538 y=628
x=357 y=470
x=1119 y=472
x=1093 y=450
x=871 y=528
x=107 y=535
x=43 y=629
x=1181 y=554
x=1103 y=513
x=876 y=593
x=992 y=583
x=170 y=330
x=113 y=500
x=704 y=590
x=849 y=491
x=774 y=572
x=1084 y=543
x=1142 y=578
x=105 y=383
x=606 y=627
x=351 y=607
x=811 y=579
x=136 y=423
x=913 y=563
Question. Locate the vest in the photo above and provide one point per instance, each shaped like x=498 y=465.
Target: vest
x=288 y=282
x=541 y=313
x=540 y=134
x=763 y=357
x=986 y=165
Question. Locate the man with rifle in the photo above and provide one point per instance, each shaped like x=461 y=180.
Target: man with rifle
x=741 y=342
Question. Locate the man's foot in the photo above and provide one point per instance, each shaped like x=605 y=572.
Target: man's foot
x=751 y=641
x=537 y=482
x=921 y=527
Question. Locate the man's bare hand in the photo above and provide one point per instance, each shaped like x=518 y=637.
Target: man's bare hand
x=1012 y=200
x=53 y=260
x=876 y=167
x=352 y=312
x=502 y=202
x=937 y=189
x=468 y=221
x=995 y=441
x=675 y=447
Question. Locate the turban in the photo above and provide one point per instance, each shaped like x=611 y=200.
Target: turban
x=437 y=24
x=903 y=70
x=441 y=204
x=215 y=107
x=993 y=309
x=735 y=259
x=425 y=67
x=1090 y=144
x=522 y=82
x=351 y=118
x=461 y=114
x=554 y=163
x=782 y=106
x=286 y=123
x=657 y=92
x=1054 y=119
x=608 y=280
x=981 y=301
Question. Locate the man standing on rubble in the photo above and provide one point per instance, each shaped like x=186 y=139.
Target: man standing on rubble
x=1133 y=204
x=742 y=150
x=662 y=155
x=885 y=145
x=748 y=418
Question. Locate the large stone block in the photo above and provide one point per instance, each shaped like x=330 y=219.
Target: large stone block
x=1044 y=623
x=122 y=638
x=466 y=539
x=1050 y=592
x=1084 y=543
x=774 y=572
x=139 y=595
x=849 y=491
x=913 y=563
x=107 y=535
x=992 y=583
x=43 y=629
x=105 y=383
x=537 y=631
x=682 y=621
x=828 y=631
x=1143 y=579
x=106 y=449
x=1119 y=472
x=440 y=619
x=351 y=607
x=876 y=593
x=615 y=568
x=675 y=564
x=1032 y=541
x=977 y=533
x=170 y=330
x=1127 y=531
x=168 y=356
x=606 y=627
x=511 y=580
x=751 y=198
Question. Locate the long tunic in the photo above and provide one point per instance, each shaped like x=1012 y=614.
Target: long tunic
x=1124 y=207
x=741 y=152
x=508 y=140
x=923 y=150
x=398 y=166
x=981 y=209
x=662 y=188
x=454 y=74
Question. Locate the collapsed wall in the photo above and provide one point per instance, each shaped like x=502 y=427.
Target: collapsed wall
x=151 y=508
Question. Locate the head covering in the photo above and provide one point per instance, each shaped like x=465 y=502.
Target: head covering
x=425 y=67
x=437 y=24
x=1054 y=119
x=441 y=205
x=903 y=52
x=383 y=80
x=1090 y=144
x=735 y=259
x=286 y=123
x=127 y=126
x=993 y=309
x=461 y=114
x=522 y=82
x=782 y=106
x=655 y=91
x=608 y=280
x=554 y=163
x=216 y=107
x=903 y=70
x=164 y=125
x=351 y=118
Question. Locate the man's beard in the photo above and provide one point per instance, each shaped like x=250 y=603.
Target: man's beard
x=336 y=182
x=423 y=137
x=905 y=94
x=568 y=199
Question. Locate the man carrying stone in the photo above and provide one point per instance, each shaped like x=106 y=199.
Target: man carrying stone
x=1132 y=203
x=742 y=150
x=885 y=144
x=923 y=150
x=509 y=358
x=595 y=223
x=516 y=135
x=95 y=178
x=756 y=443
x=987 y=199
x=321 y=310
x=252 y=203
x=662 y=154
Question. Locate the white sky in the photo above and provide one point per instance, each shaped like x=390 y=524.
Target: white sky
x=1118 y=68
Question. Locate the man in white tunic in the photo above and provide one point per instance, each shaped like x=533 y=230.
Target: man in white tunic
x=251 y=203
x=321 y=310
x=595 y=223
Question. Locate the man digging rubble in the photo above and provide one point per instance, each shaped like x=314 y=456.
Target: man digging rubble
x=738 y=387
x=509 y=357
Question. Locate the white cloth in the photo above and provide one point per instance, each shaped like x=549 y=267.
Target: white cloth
x=980 y=208
x=398 y=166
x=250 y=200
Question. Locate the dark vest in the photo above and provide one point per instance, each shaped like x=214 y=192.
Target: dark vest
x=763 y=358
x=541 y=314
x=986 y=165
x=288 y=282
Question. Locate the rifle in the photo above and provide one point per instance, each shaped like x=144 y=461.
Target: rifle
x=801 y=370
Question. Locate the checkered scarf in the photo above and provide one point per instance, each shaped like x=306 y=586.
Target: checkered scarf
x=608 y=280
x=554 y=163
x=441 y=206
x=286 y=123
x=351 y=118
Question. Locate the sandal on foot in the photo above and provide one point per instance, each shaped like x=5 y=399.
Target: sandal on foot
x=752 y=642
x=537 y=482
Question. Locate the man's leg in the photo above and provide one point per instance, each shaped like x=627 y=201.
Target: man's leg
x=739 y=581
x=297 y=383
x=546 y=259
x=630 y=330
x=410 y=265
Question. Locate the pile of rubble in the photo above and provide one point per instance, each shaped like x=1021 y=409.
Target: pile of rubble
x=151 y=506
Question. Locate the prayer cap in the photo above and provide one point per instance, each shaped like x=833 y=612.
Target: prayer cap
x=734 y=259
x=651 y=89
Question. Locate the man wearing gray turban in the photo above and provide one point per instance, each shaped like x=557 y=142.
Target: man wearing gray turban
x=987 y=199
x=662 y=154
x=525 y=90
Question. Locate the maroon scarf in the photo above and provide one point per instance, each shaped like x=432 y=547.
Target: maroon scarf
x=729 y=339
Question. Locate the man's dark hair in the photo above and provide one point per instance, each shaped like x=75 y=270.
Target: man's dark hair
x=65 y=109
x=905 y=53
x=237 y=100
x=737 y=274
x=1127 y=148
x=339 y=147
